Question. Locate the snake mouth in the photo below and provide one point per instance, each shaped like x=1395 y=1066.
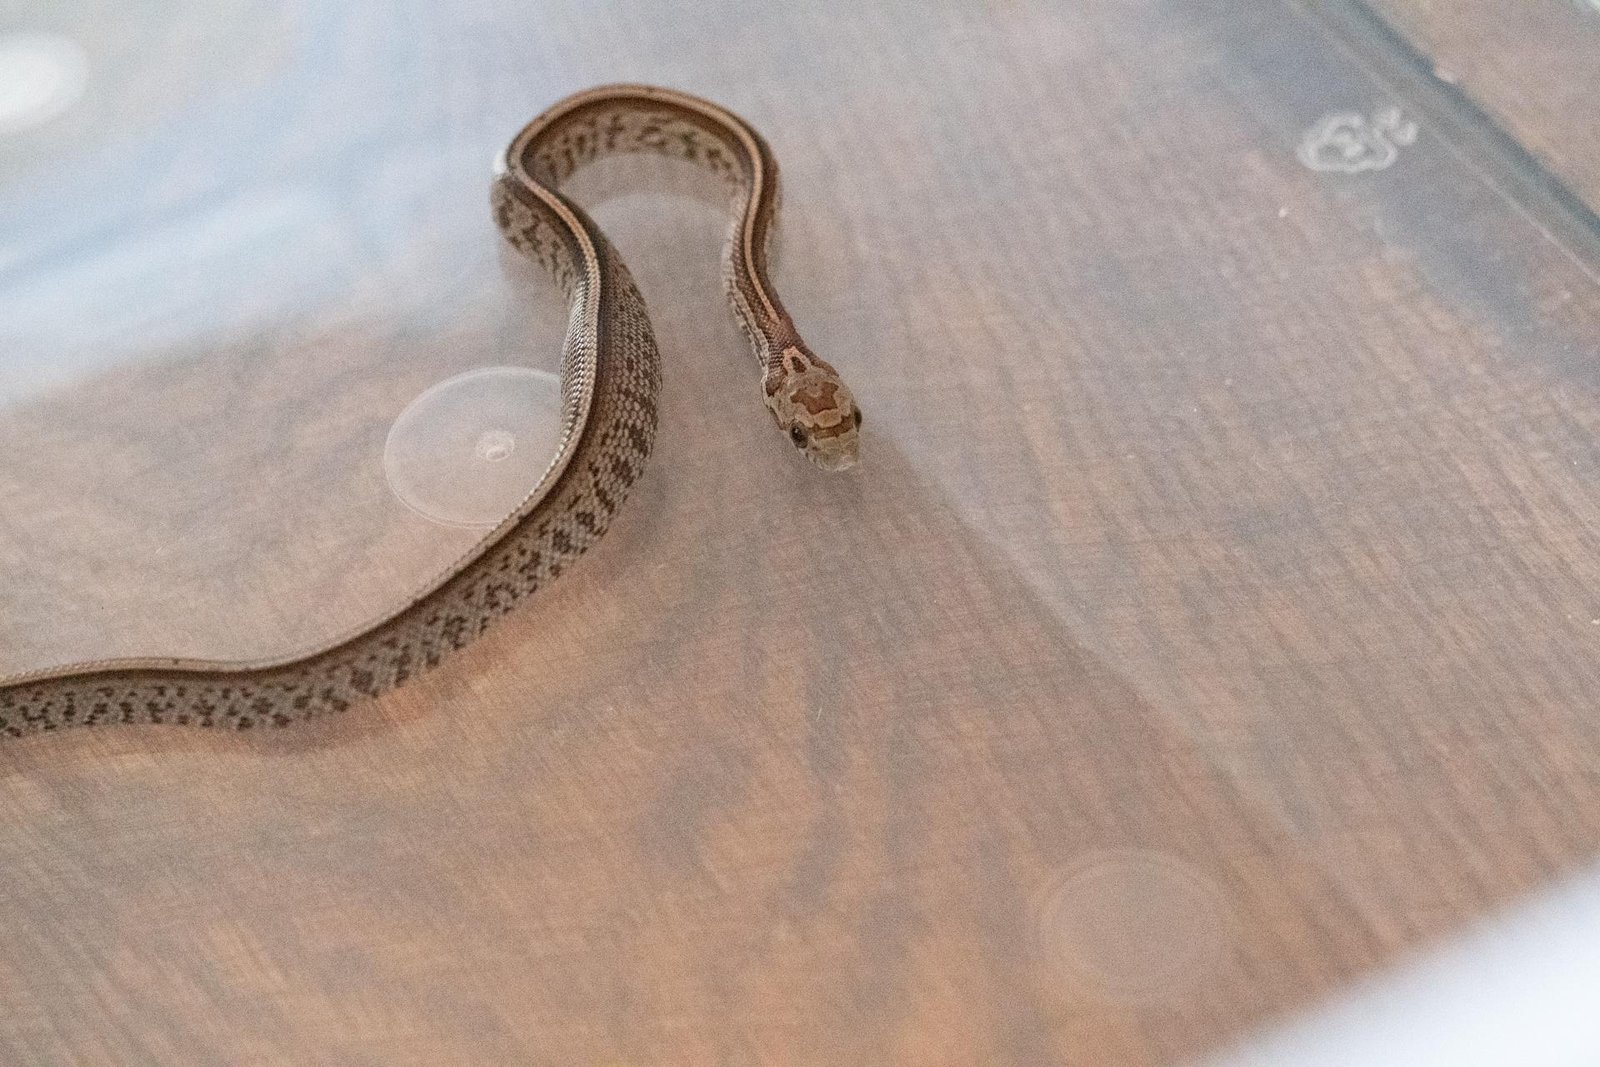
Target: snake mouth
x=834 y=461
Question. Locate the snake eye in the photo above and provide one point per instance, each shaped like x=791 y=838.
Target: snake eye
x=858 y=418
x=797 y=434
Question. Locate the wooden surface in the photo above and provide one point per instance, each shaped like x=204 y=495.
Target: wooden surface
x=1214 y=620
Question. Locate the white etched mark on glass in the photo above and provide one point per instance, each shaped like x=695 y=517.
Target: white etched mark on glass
x=1347 y=142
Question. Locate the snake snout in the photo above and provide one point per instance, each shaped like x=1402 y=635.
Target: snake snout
x=835 y=459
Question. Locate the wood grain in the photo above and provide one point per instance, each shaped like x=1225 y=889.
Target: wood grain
x=1213 y=619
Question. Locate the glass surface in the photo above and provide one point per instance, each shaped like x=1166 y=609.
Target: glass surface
x=221 y=284
x=1214 y=617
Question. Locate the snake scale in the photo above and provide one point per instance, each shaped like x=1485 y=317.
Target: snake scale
x=611 y=379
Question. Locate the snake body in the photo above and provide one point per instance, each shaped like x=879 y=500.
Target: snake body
x=610 y=386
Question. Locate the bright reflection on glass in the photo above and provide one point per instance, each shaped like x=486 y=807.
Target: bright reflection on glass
x=41 y=75
x=70 y=311
x=1522 y=990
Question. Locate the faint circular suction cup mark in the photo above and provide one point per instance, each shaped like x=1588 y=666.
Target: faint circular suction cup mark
x=41 y=75
x=471 y=448
x=1134 y=926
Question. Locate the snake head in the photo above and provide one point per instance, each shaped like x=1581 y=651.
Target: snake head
x=814 y=408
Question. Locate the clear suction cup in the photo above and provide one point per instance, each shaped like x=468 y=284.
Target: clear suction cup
x=471 y=448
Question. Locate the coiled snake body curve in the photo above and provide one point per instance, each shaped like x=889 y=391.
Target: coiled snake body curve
x=610 y=384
